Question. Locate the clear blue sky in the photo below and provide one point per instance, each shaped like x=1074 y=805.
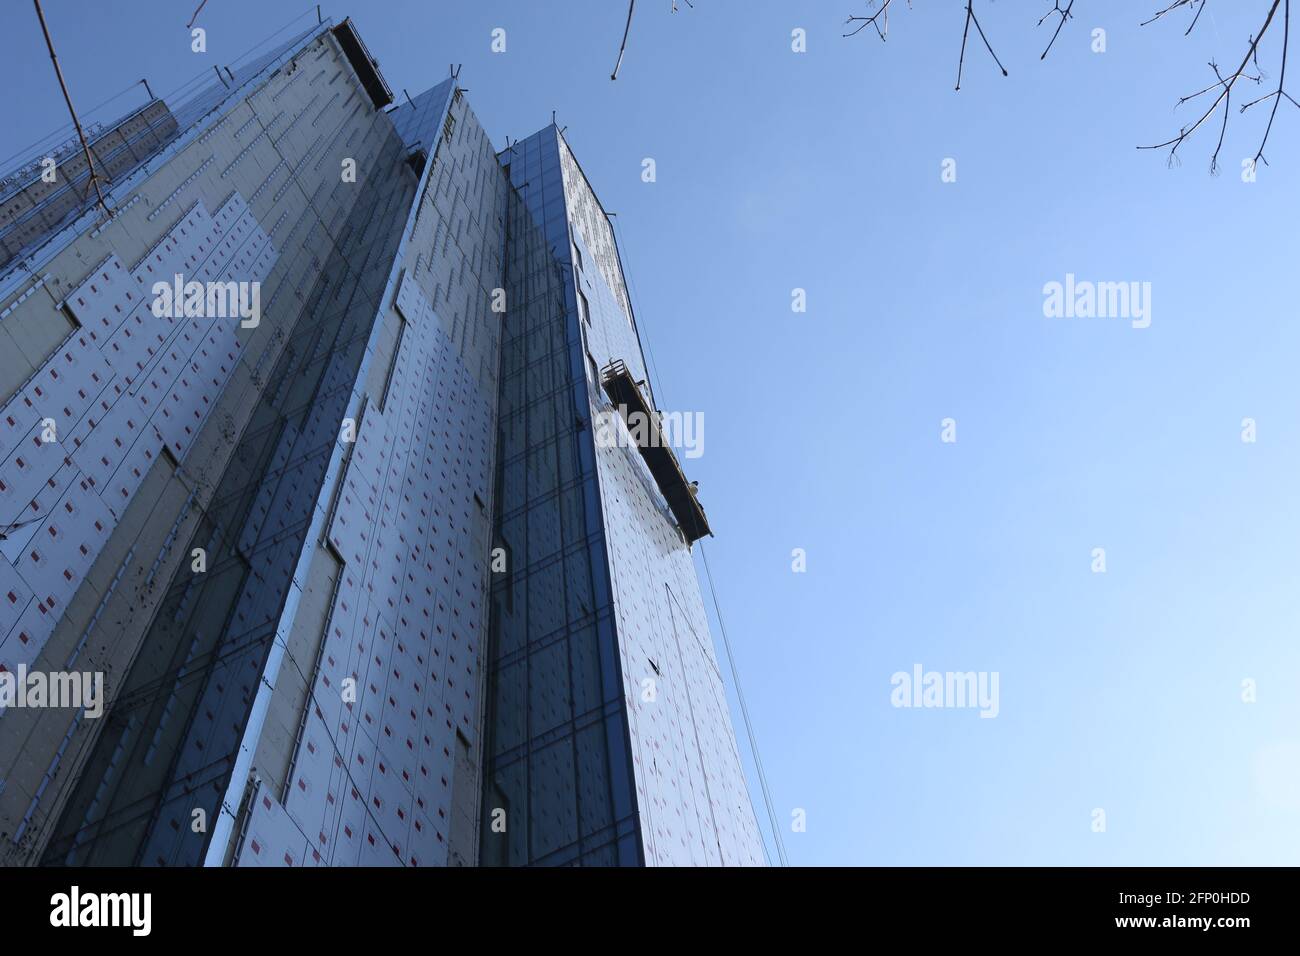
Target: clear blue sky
x=821 y=170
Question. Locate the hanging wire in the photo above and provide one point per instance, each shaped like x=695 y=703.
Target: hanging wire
x=653 y=373
x=90 y=160
x=177 y=96
x=58 y=133
x=621 y=247
x=744 y=713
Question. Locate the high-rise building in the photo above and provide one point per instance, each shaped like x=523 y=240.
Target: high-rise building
x=320 y=449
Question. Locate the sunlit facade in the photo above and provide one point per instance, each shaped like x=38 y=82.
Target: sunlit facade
x=363 y=587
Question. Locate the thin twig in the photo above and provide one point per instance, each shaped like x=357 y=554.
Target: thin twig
x=1225 y=85
x=961 y=59
x=1281 y=80
x=1174 y=6
x=1227 y=101
x=623 y=46
x=871 y=21
x=1064 y=15
x=202 y=4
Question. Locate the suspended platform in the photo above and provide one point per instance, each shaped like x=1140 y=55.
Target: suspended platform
x=659 y=457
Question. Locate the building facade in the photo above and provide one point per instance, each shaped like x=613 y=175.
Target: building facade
x=364 y=585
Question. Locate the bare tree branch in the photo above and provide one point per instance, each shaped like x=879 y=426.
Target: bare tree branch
x=1063 y=14
x=196 y=14
x=1227 y=100
x=1199 y=4
x=1225 y=83
x=872 y=21
x=971 y=18
x=882 y=31
x=623 y=46
x=1281 y=81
